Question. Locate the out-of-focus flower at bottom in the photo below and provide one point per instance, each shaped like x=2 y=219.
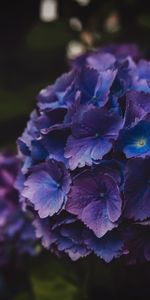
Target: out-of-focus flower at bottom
x=17 y=234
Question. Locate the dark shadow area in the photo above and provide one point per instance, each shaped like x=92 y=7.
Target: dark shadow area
x=33 y=52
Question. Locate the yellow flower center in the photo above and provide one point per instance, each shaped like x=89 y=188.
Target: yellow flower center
x=141 y=142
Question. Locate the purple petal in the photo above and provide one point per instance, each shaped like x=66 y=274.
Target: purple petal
x=94 y=198
x=93 y=132
x=47 y=188
x=137 y=189
x=108 y=247
x=42 y=230
x=95 y=216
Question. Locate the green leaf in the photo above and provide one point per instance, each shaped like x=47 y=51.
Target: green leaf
x=144 y=20
x=53 y=279
x=55 y=288
x=24 y=296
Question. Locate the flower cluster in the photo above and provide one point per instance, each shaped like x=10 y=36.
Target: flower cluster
x=86 y=158
x=17 y=234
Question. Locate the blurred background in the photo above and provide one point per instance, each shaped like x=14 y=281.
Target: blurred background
x=37 y=39
x=38 y=36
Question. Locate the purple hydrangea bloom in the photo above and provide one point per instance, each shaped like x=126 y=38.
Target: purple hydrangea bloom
x=141 y=76
x=137 y=189
x=85 y=156
x=137 y=242
x=93 y=132
x=65 y=233
x=123 y=50
x=62 y=234
x=95 y=198
x=49 y=194
x=16 y=230
x=110 y=246
x=135 y=141
x=138 y=106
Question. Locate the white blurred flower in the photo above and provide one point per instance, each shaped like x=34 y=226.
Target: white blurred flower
x=74 y=49
x=48 y=10
x=83 y=2
x=75 y=24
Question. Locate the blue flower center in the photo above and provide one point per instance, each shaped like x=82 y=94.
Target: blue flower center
x=94 y=99
x=97 y=135
x=57 y=184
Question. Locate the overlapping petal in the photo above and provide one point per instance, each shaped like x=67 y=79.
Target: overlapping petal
x=93 y=132
x=47 y=187
x=95 y=199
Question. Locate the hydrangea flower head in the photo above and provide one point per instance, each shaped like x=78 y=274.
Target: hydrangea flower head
x=85 y=156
